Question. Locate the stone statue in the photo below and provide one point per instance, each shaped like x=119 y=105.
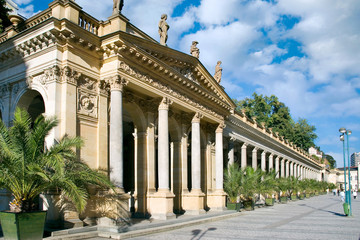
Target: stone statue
x=163 y=29
x=218 y=72
x=117 y=7
x=194 y=50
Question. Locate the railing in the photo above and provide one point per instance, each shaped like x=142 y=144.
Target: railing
x=88 y=23
x=38 y=18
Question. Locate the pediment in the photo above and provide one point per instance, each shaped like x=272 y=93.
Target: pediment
x=184 y=64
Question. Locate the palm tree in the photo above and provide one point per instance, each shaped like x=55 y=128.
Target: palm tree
x=250 y=183
x=28 y=168
x=232 y=178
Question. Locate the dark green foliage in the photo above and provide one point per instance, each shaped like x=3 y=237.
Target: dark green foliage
x=331 y=160
x=28 y=168
x=4 y=13
x=276 y=115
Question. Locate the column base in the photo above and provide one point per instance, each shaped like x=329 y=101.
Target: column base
x=193 y=202
x=161 y=204
x=107 y=206
x=216 y=200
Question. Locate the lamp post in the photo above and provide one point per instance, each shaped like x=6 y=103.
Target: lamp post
x=343 y=132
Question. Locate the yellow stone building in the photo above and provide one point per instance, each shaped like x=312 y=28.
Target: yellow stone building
x=154 y=118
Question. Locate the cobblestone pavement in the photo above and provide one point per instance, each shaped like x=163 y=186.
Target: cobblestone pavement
x=319 y=217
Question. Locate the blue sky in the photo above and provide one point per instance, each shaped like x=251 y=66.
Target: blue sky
x=306 y=52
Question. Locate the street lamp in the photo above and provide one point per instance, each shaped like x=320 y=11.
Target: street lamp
x=343 y=132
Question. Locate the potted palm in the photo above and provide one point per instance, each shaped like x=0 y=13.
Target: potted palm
x=232 y=178
x=28 y=169
x=293 y=187
x=283 y=187
x=267 y=187
x=249 y=186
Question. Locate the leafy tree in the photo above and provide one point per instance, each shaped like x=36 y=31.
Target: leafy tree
x=4 y=13
x=331 y=160
x=28 y=168
x=276 y=115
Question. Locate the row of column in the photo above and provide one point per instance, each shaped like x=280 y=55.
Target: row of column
x=283 y=167
x=163 y=198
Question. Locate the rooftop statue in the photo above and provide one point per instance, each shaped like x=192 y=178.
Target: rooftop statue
x=218 y=72
x=117 y=7
x=194 y=50
x=163 y=29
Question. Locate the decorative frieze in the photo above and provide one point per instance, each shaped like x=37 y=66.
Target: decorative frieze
x=4 y=90
x=187 y=72
x=29 y=47
x=138 y=75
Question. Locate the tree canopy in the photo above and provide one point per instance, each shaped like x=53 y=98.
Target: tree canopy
x=4 y=13
x=331 y=160
x=276 y=115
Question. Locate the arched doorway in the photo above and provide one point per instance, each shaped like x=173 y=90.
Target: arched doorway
x=33 y=103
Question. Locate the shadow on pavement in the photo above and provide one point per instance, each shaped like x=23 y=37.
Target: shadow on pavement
x=196 y=232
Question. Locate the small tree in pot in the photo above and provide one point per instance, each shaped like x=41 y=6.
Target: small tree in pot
x=28 y=168
x=249 y=186
x=232 y=179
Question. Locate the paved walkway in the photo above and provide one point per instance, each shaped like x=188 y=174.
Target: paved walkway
x=318 y=217
x=315 y=218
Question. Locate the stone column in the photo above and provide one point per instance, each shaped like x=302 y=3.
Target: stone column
x=231 y=152
x=243 y=156
x=271 y=162
x=216 y=199
x=282 y=168
x=277 y=160
x=298 y=171
x=194 y=201
x=287 y=168
x=219 y=157
x=141 y=173
x=161 y=203
x=163 y=144
x=195 y=153
x=291 y=168
x=263 y=161
x=116 y=131
x=254 y=158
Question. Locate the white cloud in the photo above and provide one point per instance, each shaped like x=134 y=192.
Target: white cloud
x=22 y=2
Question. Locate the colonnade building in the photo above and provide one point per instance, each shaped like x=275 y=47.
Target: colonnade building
x=154 y=118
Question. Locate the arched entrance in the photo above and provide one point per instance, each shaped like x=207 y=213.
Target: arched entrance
x=33 y=103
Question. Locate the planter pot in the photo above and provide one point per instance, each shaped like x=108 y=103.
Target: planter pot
x=307 y=195
x=269 y=201
x=23 y=226
x=301 y=196
x=248 y=205
x=293 y=197
x=283 y=199
x=316 y=194
x=233 y=206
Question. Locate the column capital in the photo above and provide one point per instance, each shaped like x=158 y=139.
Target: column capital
x=117 y=83
x=244 y=145
x=263 y=152
x=255 y=149
x=220 y=127
x=165 y=103
x=197 y=117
